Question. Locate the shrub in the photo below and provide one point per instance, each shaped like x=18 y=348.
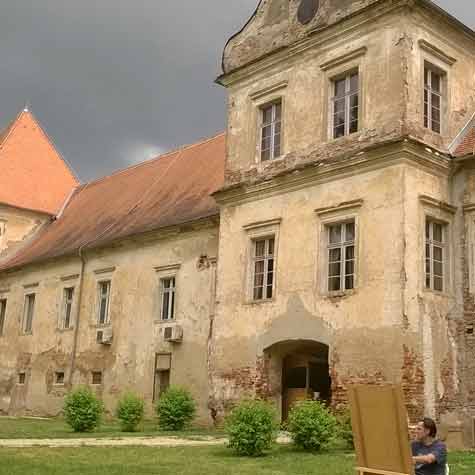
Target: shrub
x=311 y=425
x=252 y=428
x=82 y=410
x=175 y=409
x=130 y=412
x=345 y=431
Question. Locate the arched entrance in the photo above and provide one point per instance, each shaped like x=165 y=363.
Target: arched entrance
x=299 y=371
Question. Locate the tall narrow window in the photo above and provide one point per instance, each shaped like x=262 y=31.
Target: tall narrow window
x=433 y=99
x=341 y=256
x=435 y=255
x=271 y=127
x=68 y=296
x=345 y=105
x=3 y=313
x=263 y=264
x=162 y=374
x=104 y=300
x=168 y=298
x=28 y=313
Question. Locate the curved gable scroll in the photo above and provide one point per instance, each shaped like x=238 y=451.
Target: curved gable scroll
x=279 y=23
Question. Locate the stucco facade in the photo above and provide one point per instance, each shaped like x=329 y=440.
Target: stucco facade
x=392 y=183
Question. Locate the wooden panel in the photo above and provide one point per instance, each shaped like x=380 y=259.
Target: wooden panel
x=381 y=434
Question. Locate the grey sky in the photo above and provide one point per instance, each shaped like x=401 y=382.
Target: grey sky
x=117 y=81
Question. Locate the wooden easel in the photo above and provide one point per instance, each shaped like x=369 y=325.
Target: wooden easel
x=381 y=435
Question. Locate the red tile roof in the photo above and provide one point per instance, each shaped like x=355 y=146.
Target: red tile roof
x=467 y=144
x=169 y=190
x=33 y=174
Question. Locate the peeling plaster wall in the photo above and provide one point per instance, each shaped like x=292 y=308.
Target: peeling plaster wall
x=16 y=226
x=129 y=363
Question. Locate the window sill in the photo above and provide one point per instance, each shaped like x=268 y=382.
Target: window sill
x=331 y=139
x=26 y=334
x=339 y=294
x=64 y=330
x=437 y=293
x=165 y=322
x=252 y=303
x=100 y=326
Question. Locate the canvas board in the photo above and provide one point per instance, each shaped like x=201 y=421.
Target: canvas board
x=380 y=429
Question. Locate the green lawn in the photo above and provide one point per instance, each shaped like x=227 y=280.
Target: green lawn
x=186 y=461
x=22 y=428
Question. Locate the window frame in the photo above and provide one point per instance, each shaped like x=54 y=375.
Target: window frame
x=346 y=76
x=432 y=69
x=171 y=317
x=56 y=374
x=26 y=311
x=107 y=319
x=64 y=307
x=3 y=314
x=158 y=371
x=22 y=378
x=266 y=258
x=342 y=245
x=274 y=122
x=95 y=373
x=444 y=246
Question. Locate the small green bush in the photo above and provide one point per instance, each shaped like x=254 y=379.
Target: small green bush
x=345 y=431
x=252 y=428
x=82 y=410
x=175 y=409
x=311 y=425
x=130 y=412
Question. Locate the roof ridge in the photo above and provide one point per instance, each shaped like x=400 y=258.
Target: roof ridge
x=10 y=128
x=179 y=149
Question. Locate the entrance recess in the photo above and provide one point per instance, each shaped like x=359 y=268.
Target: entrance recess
x=304 y=372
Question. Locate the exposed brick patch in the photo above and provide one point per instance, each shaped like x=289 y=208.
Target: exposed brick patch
x=413 y=381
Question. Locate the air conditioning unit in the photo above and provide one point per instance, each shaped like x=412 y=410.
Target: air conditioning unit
x=104 y=336
x=173 y=334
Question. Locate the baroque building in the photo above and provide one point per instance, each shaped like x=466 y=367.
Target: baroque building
x=326 y=239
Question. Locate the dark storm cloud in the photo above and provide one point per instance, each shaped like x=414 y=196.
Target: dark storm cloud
x=116 y=81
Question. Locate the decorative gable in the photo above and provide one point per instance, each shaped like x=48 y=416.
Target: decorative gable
x=33 y=175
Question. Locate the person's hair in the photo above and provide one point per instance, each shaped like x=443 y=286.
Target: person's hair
x=430 y=425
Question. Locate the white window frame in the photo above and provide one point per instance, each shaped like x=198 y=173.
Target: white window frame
x=26 y=313
x=100 y=283
x=342 y=245
x=266 y=258
x=431 y=243
x=434 y=70
x=3 y=314
x=347 y=98
x=273 y=124
x=171 y=291
x=64 y=308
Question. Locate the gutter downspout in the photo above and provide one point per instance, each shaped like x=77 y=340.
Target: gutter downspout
x=78 y=319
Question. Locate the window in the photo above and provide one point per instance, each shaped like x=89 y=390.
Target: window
x=3 y=312
x=341 y=256
x=263 y=267
x=168 y=298
x=28 y=313
x=59 y=378
x=104 y=298
x=345 y=105
x=68 y=296
x=433 y=99
x=96 y=377
x=162 y=374
x=435 y=255
x=271 y=127
x=21 y=378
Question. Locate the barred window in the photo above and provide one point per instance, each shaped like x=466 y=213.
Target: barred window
x=433 y=99
x=168 y=298
x=435 y=255
x=271 y=128
x=263 y=266
x=345 y=105
x=341 y=256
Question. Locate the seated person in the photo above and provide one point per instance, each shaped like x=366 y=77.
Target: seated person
x=429 y=454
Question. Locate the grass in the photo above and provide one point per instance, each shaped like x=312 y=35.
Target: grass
x=187 y=461
x=25 y=428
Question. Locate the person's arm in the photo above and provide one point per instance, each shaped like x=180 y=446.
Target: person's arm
x=425 y=459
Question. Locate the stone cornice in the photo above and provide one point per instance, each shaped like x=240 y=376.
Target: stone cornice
x=436 y=52
x=377 y=157
x=332 y=63
x=429 y=201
